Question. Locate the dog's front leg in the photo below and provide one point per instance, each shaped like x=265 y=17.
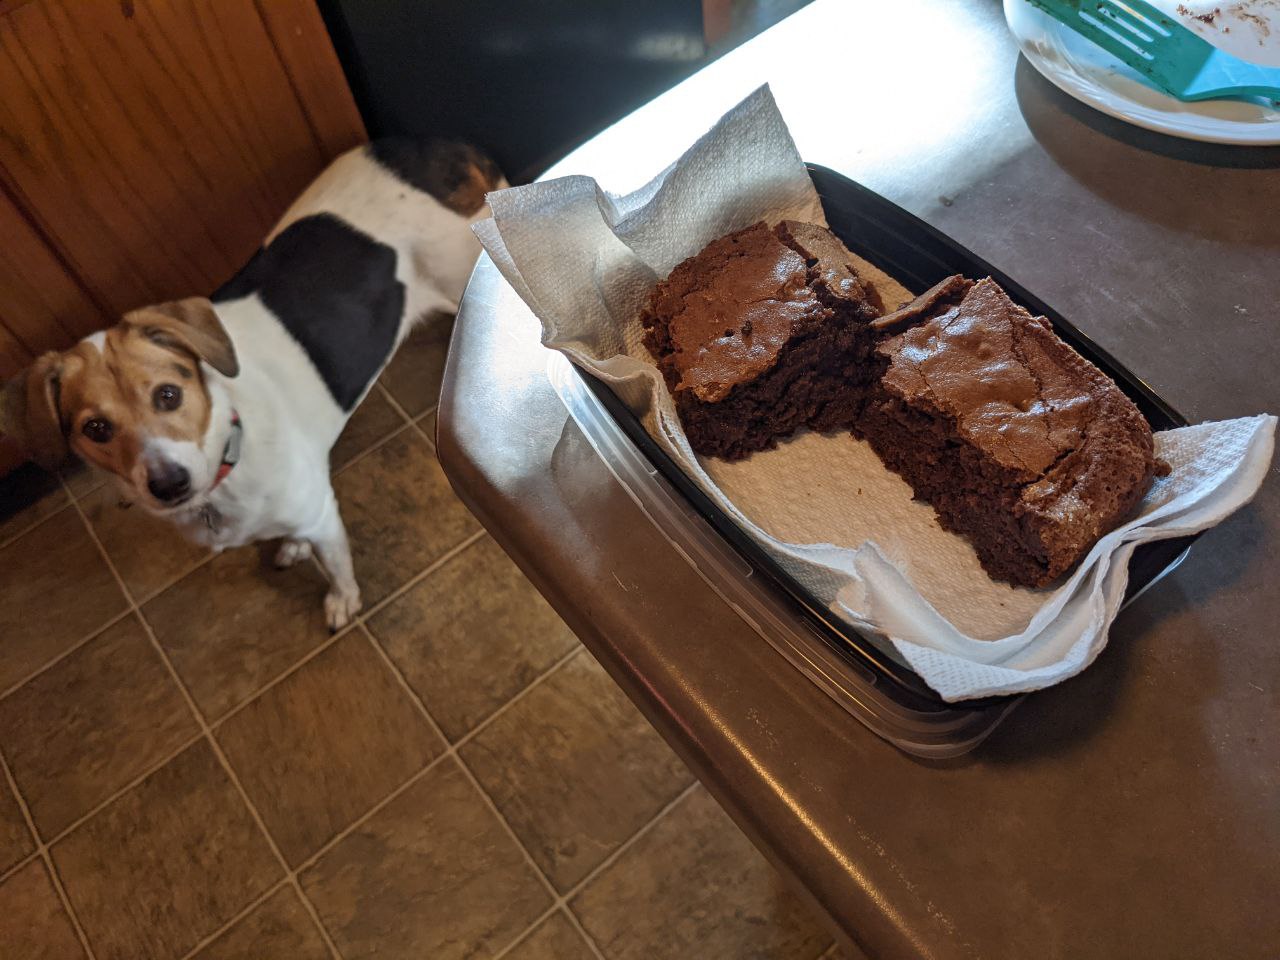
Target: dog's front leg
x=342 y=602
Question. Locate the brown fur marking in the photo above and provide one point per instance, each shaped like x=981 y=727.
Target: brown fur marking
x=117 y=385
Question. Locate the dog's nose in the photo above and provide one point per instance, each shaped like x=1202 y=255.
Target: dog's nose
x=168 y=482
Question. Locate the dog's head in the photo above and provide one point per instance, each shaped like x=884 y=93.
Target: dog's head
x=134 y=400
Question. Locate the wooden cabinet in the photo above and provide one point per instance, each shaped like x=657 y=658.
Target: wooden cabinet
x=146 y=146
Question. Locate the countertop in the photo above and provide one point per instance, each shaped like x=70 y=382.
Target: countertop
x=1131 y=812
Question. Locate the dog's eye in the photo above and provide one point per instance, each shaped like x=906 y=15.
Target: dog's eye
x=167 y=396
x=98 y=430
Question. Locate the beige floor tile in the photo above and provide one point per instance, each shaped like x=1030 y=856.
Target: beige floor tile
x=167 y=863
x=33 y=924
x=400 y=514
x=147 y=552
x=15 y=838
x=277 y=929
x=694 y=886
x=372 y=420
x=327 y=743
x=471 y=636
x=236 y=623
x=28 y=495
x=431 y=874
x=413 y=377
x=81 y=478
x=575 y=769
x=91 y=723
x=556 y=938
x=55 y=589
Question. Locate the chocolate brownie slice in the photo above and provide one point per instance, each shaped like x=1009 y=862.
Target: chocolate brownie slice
x=1018 y=442
x=763 y=332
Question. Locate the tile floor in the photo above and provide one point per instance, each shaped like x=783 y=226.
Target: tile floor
x=192 y=767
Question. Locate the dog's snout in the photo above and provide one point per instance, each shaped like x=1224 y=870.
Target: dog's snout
x=168 y=482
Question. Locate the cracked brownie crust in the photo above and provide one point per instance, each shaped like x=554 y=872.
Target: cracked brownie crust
x=763 y=332
x=1017 y=442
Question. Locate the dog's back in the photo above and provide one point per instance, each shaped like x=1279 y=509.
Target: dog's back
x=379 y=239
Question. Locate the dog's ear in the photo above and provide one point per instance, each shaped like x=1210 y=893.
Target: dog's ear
x=30 y=414
x=189 y=325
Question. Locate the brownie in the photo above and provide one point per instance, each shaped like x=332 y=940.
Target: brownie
x=763 y=332
x=1018 y=442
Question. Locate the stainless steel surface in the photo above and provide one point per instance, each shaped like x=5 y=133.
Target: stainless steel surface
x=1131 y=812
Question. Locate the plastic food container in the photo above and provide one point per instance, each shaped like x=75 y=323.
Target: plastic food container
x=877 y=689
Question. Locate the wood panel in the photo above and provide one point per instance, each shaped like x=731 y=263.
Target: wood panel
x=153 y=143
x=42 y=305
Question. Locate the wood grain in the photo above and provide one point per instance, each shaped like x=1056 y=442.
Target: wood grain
x=154 y=143
x=42 y=306
x=303 y=45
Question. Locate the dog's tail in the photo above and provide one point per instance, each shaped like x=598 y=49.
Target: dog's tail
x=457 y=174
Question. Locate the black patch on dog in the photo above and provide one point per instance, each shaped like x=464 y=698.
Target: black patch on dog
x=455 y=173
x=335 y=290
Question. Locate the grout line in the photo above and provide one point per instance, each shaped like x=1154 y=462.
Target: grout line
x=582 y=931
x=417 y=578
x=38 y=521
x=282 y=676
x=627 y=844
x=96 y=631
x=117 y=794
x=405 y=422
x=421 y=705
x=148 y=597
x=355 y=623
x=290 y=876
x=408 y=423
x=562 y=902
x=20 y=865
x=391 y=400
x=455 y=749
x=451 y=750
x=257 y=902
x=493 y=808
x=368 y=815
x=71 y=498
x=42 y=851
x=356 y=458
x=414 y=422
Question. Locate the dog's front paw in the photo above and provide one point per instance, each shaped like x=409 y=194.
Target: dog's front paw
x=292 y=551
x=340 y=607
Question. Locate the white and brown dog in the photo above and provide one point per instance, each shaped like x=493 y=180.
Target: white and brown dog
x=219 y=414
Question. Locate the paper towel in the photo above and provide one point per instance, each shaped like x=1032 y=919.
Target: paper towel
x=824 y=506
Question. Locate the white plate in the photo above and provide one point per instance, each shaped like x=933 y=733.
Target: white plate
x=1248 y=29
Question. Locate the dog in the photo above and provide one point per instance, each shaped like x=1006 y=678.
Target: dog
x=219 y=413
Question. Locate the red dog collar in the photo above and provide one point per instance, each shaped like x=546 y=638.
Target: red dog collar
x=231 y=452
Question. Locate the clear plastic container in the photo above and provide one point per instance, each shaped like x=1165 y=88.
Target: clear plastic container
x=873 y=686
